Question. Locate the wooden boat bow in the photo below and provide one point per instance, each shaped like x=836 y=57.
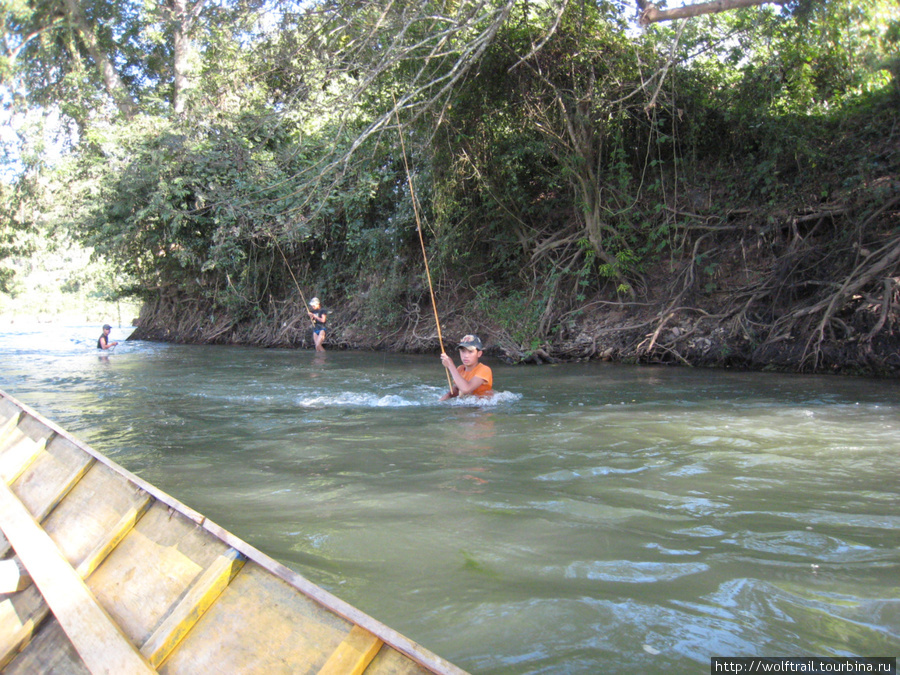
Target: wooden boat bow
x=104 y=573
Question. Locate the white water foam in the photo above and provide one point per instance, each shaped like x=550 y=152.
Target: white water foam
x=429 y=398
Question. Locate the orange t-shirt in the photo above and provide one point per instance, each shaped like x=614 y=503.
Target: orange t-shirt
x=481 y=371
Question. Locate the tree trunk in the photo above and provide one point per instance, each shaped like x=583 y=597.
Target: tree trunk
x=182 y=16
x=585 y=145
x=115 y=87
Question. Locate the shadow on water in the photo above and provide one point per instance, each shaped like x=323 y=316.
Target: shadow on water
x=591 y=518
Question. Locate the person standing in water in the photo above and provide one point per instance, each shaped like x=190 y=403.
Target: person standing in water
x=103 y=341
x=472 y=377
x=318 y=316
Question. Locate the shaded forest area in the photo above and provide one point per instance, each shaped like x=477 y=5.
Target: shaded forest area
x=723 y=191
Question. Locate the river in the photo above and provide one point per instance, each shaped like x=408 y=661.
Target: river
x=591 y=518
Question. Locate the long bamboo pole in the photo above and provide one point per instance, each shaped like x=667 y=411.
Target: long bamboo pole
x=412 y=195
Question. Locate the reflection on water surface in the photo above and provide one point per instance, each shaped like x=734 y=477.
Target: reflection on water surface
x=592 y=518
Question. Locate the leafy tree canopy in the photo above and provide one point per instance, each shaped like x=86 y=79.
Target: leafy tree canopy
x=221 y=149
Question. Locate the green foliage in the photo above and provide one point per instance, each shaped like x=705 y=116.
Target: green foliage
x=518 y=313
x=567 y=164
x=56 y=282
x=82 y=57
x=16 y=236
x=773 y=77
x=385 y=298
x=621 y=266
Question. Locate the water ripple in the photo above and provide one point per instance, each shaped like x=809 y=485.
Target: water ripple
x=630 y=571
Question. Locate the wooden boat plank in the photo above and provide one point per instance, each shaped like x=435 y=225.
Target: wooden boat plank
x=48 y=477
x=192 y=606
x=20 y=614
x=20 y=447
x=93 y=507
x=99 y=641
x=9 y=410
x=43 y=484
x=13 y=576
x=391 y=662
x=50 y=652
x=151 y=569
x=9 y=418
x=299 y=635
x=135 y=481
x=113 y=537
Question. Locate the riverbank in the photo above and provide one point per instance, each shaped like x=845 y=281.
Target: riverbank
x=737 y=318
x=803 y=279
x=621 y=334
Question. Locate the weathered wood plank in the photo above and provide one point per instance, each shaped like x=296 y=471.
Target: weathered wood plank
x=11 y=423
x=418 y=658
x=389 y=661
x=298 y=634
x=18 y=453
x=49 y=653
x=95 y=506
x=98 y=640
x=113 y=536
x=151 y=569
x=136 y=482
x=20 y=614
x=353 y=655
x=50 y=477
x=9 y=407
x=193 y=605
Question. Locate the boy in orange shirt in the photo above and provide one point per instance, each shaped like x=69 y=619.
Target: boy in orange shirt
x=471 y=377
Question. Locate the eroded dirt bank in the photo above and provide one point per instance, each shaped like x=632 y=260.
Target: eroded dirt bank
x=765 y=308
x=618 y=334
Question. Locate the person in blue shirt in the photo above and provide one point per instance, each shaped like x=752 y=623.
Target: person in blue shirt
x=318 y=316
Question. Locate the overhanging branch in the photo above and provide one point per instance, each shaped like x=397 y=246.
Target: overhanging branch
x=651 y=14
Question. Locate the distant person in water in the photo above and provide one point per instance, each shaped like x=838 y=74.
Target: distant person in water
x=319 y=316
x=103 y=341
x=472 y=377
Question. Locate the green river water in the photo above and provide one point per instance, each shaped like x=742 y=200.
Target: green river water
x=592 y=518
